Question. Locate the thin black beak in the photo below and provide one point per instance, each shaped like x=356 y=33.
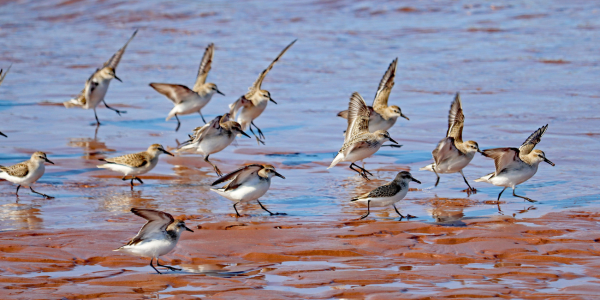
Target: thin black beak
x=167 y=152
x=392 y=140
x=479 y=150
x=271 y=99
x=48 y=161
x=220 y=92
x=2 y=134
x=548 y=161
x=245 y=134
x=117 y=78
x=413 y=179
x=186 y=228
x=277 y=174
x=402 y=115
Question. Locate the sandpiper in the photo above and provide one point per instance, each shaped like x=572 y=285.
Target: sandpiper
x=136 y=163
x=359 y=142
x=382 y=116
x=156 y=238
x=97 y=85
x=515 y=166
x=452 y=154
x=2 y=75
x=255 y=101
x=27 y=172
x=186 y=100
x=213 y=137
x=247 y=184
x=389 y=193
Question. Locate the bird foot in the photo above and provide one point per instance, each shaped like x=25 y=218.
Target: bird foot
x=470 y=191
x=278 y=214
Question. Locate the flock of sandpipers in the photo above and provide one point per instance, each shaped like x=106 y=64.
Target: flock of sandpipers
x=365 y=134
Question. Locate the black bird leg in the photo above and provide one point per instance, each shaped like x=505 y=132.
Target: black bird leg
x=200 y=112
x=97 y=121
x=522 y=196
x=500 y=195
x=368 y=210
x=258 y=140
x=470 y=189
x=168 y=267
x=153 y=266
x=178 y=123
x=214 y=166
x=236 y=211
x=262 y=136
x=46 y=196
x=114 y=109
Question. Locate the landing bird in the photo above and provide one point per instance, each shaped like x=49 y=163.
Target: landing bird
x=452 y=154
x=389 y=193
x=515 y=166
x=156 y=238
x=247 y=184
x=213 y=137
x=97 y=85
x=136 y=163
x=255 y=101
x=382 y=116
x=27 y=172
x=359 y=143
x=188 y=101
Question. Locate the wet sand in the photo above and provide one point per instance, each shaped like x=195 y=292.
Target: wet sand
x=518 y=66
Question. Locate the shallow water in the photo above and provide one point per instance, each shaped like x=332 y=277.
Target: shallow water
x=518 y=66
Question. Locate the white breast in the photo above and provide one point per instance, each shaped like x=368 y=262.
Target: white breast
x=249 y=191
x=192 y=104
x=150 y=248
x=514 y=176
x=215 y=143
x=454 y=164
x=251 y=112
x=98 y=94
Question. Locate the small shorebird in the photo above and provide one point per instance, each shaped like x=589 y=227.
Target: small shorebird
x=2 y=75
x=359 y=142
x=255 y=101
x=136 y=163
x=515 y=166
x=188 y=101
x=247 y=184
x=382 y=116
x=27 y=172
x=156 y=238
x=389 y=193
x=97 y=85
x=213 y=137
x=452 y=154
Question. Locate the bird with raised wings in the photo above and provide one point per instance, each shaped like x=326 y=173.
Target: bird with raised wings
x=186 y=100
x=254 y=102
x=97 y=85
x=515 y=166
x=359 y=143
x=452 y=154
x=156 y=238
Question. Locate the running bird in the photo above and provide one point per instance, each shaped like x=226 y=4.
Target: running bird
x=382 y=116
x=213 y=137
x=359 y=143
x=452 y=154
x=97 y=85
x=27 y=172
x=188 y=101
x=255 y=101
x=247 y=184
x=515 y=166
x=389 y=193
x=136 y=163
x=156 y=238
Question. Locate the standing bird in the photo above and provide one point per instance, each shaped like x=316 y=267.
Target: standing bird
x=156 y=238
x=213 y=137
x=2 y=79
x=188 y=101
x=389 y=193
x=515 y=166
x=97 y=85
x=136 y=163
x=452 y=154
x=359 y=142
x=247 y=184
x=382 y=116
x=27 y=172
x=255 y=101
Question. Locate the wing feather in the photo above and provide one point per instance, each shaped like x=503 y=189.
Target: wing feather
x=502 y=157
x=18 y=170
x=175 y=92
x=257 y=84
x=200 y=133
x=205 y=66
x=238 y=176
x=358 y=116
x=456 y=119
x=532 y=140
x=157 y=223
x=385 y=86
x=113 y=62
x=444 y=150
x=134 y=160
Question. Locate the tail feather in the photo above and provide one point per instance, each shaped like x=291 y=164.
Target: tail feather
x=336 y=160
x=72 y=103
x=343 y=114
x=427 y=168
x=485 y=178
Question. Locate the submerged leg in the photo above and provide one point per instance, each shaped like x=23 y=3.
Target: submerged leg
x=500 y=194
x=114 y=109
x=200 y=112
x=17 y=193
x=522 y=196
x=368 y=210
x=236 y=211
x=131 y=183
x=153 y=266
x=97 y=121
x=178 y=124
x=214 y=166
x=470 y=189
x=437 y=181
x=46 y=196
x=168 y=267
x=408 y=216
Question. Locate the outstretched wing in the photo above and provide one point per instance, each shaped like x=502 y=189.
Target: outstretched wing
x=456 y=119
x=358 y=116
x=444 y=150
x=385 y=86
x=533 y=140
x=238 y=176
x=134 y=160
x=205 y=65
x=18 y=170
x=156 y=225
x=502 y=157
x=256 y=86
x=113 y=62
x=175 y=92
